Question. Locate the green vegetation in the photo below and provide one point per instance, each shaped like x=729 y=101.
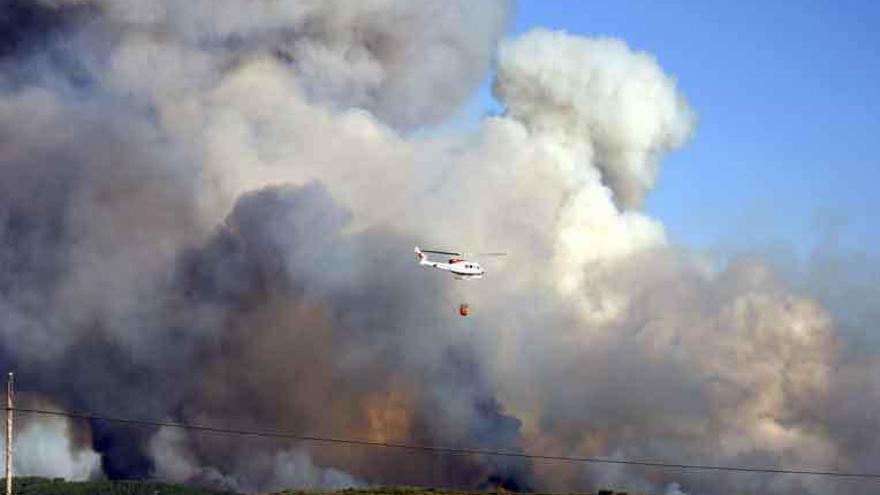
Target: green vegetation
x=58 y=486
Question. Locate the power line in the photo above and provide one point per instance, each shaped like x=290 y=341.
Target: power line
x=446 y=450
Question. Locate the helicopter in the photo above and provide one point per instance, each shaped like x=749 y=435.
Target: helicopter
x=458 y=264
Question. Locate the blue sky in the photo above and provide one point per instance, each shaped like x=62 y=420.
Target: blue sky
x=788 y=95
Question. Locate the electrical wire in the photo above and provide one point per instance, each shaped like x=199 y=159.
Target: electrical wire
x=444 y=449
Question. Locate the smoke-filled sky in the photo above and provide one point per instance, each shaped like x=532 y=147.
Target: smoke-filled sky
x=207 y=213
x=788 y=116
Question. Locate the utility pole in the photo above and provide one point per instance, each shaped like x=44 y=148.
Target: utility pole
x=9 y=434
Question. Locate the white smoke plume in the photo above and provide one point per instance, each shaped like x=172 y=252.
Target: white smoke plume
x=407 y=62
x=597 y=94
x=52 y=447
x=674 y=489
x=286 y=469
x=207 y=213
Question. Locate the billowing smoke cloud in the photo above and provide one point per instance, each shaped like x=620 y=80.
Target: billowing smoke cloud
x=598 y=94
x=279 y=469
x=52 y=447
x=207 y=213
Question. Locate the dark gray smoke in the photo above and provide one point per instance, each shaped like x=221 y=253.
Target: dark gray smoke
x=207 y=213
x=117 y=296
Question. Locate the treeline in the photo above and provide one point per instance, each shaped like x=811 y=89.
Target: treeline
x=59 y=486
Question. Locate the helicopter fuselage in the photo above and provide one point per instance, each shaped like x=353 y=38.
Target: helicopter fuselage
x=460 y=268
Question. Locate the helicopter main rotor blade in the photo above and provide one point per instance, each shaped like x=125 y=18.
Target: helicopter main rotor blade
x=442 y=252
